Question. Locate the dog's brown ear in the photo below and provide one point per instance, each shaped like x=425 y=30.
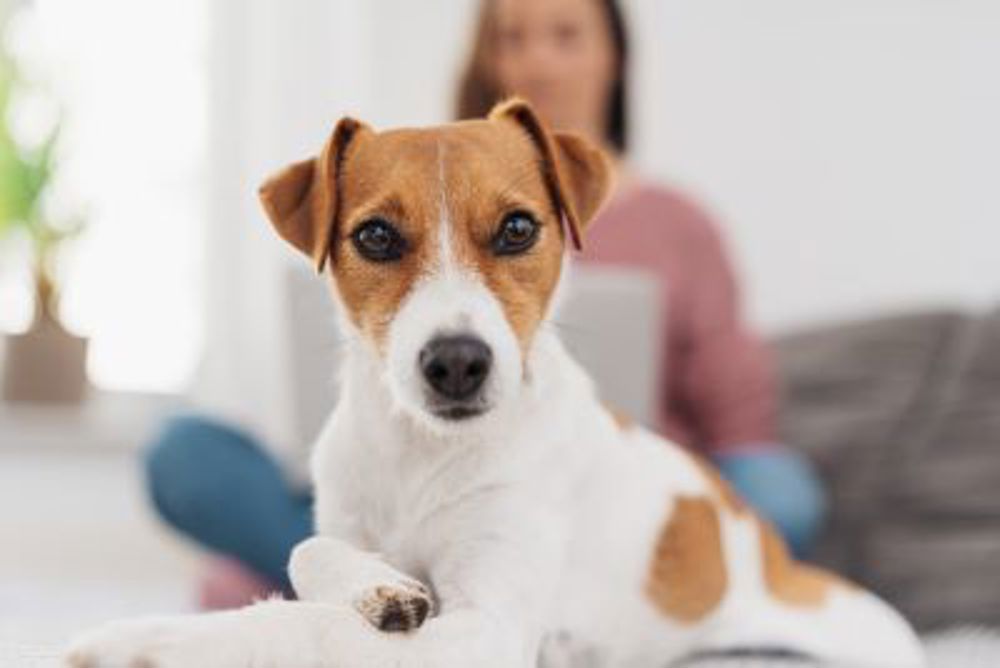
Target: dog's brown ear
x=301 y=200
x=577 y=173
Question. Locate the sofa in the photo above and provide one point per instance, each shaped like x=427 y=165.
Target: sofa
x=902 y=416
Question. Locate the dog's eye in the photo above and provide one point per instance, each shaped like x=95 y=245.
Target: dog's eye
x=517 y=234
x=378 y=241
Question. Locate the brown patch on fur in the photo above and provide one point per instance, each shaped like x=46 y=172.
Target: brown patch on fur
x=491 y=170
x=787 y=580
x=303 y=200
x=688 y=575
x=392 y=176
x=790 y=581
x=576 y=173
x=622 y=419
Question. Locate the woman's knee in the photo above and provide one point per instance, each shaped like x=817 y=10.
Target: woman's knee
x=799 y=516
x=784 y=488
x=189 y=466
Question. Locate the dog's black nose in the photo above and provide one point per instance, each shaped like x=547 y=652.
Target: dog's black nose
x=456 y=366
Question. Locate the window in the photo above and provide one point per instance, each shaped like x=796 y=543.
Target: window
x=131 y=79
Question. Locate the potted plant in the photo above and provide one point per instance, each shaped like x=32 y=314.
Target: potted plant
x=45 y=363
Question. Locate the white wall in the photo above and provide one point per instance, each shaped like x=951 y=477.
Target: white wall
x=851 y=147
x=416 y=51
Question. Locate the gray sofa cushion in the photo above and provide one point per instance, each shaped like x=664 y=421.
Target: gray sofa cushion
x=950 y=469
x=902 y=416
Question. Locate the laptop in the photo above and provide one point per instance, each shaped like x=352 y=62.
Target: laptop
x=611 y=321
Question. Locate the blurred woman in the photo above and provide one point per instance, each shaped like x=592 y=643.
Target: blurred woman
x=216 y=484
x=569 y=58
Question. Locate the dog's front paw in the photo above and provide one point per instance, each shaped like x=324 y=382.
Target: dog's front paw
x=394 y=608
x=153 y=643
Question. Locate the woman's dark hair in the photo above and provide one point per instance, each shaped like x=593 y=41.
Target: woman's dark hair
x=479 y=89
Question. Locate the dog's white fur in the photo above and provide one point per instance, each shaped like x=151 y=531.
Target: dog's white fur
x=534 y=524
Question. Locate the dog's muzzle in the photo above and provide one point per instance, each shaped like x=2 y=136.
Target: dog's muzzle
x=455 y=369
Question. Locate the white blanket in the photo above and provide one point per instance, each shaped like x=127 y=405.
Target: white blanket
x=962 y=648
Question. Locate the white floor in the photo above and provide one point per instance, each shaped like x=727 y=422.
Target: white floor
x=78 y=545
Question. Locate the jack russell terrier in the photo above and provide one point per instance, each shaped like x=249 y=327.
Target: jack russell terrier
x=476 y=503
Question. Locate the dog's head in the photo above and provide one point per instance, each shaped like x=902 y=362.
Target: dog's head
x=445 y=245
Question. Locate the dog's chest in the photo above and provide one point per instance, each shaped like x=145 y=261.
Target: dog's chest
x=408 y=504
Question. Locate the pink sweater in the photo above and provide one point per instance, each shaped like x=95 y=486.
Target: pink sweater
x=717 y=392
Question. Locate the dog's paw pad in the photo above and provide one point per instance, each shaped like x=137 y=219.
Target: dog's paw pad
x=396 y=609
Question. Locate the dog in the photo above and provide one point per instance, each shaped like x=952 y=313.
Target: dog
x=476 y=503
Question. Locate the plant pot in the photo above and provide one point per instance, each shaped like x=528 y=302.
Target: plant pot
x=46 y=364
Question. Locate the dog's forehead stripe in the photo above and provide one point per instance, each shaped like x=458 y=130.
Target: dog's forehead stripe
x=445 y=232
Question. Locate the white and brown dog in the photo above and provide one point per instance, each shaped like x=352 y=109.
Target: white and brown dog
x=476 y=503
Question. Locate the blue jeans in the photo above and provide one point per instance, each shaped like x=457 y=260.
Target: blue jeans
x=783 y=487
x=217 y=486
